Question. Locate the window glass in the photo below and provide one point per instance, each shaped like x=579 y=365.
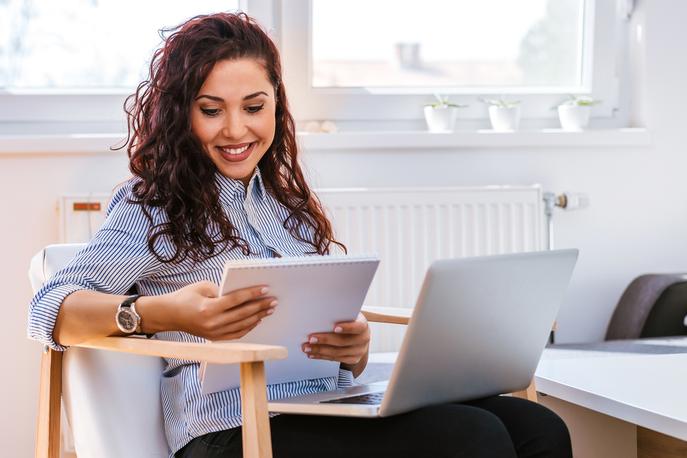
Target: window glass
x=73 y=44
x=485 y=43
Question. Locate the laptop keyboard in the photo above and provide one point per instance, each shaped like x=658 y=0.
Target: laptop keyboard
x=370 y=398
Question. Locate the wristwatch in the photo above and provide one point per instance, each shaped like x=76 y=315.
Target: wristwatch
x=127 y=319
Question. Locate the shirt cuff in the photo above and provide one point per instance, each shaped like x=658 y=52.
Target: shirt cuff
x=346 y=379
x=43 y=315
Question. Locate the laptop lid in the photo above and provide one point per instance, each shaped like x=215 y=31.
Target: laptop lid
x=478 y=328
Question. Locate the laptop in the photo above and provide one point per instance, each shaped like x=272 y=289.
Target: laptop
x=478 y=329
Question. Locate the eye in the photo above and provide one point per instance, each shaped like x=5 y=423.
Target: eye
x=254 y=108
x=212 y=112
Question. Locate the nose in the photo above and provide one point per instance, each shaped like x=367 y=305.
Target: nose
x=234 y=128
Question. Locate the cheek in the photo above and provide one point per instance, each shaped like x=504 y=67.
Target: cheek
x=196 y=128
x=266 y=128
x=202 y=129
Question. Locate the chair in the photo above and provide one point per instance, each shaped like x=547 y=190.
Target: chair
x=652 y=305
x=89 y=379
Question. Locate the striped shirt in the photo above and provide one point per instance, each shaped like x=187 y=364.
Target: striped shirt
x=118 y=257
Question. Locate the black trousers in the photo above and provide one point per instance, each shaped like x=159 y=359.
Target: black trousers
x=499 y=426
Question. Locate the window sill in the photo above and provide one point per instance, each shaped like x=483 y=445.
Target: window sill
x=480 y=139
x=361 y=140
x=61 y=143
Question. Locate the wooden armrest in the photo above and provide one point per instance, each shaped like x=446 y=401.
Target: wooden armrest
x=256 y=426
x=393 y=315
x=211 y=352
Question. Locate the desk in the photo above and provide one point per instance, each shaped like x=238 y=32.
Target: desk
x=623 y=399
x=616 y=396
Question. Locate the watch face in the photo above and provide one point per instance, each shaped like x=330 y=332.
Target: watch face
x=126 y=320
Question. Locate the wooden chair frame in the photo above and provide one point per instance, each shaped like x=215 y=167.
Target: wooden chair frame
x=257 y=441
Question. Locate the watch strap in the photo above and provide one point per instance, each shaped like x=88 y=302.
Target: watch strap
x=130 y=300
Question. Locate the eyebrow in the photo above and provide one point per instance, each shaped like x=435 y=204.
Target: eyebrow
x=220 y=99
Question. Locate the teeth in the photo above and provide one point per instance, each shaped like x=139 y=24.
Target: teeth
x=234 y=151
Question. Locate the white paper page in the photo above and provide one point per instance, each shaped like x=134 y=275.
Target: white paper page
x=314 y=293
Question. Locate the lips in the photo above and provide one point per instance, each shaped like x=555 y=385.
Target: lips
x=236 y=153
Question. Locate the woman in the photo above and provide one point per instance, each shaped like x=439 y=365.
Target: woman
x=216 y=177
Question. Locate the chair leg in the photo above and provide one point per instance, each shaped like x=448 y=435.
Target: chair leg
x=49 y=403
x=529 y=393
x=257 y=441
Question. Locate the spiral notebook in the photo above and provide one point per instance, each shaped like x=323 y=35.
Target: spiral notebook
x=314 y=293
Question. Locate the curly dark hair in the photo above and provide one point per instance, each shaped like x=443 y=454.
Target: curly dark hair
x=173 y=167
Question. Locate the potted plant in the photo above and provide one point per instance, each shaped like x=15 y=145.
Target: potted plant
x=574 y=112
x=503 y=114
x=441 y=115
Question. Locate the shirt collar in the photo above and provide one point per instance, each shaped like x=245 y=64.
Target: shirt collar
x=256 y=186
x=231 y=189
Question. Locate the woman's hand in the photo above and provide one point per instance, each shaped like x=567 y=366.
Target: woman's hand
x=348 y=344
x=199 y=311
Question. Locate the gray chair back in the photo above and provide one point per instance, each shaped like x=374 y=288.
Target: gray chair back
x=652 y=305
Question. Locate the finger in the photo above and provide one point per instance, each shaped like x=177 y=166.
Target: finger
x=239 y=328
x=247 y=309
x=344 y=359
x=240 y=296
x=237 y=335
x=214 y=319
x=338 y=340
x=335 y=352
x=351 y=327
x=238 y=325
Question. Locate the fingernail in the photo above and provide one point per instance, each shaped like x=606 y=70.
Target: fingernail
x=311 y=356
x=307 y=349
x=270 y=311
x=338 y=329
x=313 y=340
x=264 y=290
x=274 y=303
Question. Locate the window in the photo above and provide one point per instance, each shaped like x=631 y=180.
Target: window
x=530 y=44
x=77 y=60
x=383 y=59
x=85 y=44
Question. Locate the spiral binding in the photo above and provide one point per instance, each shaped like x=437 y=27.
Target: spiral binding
x=298 y=261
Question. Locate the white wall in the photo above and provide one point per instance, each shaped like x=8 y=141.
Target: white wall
x=636 y=223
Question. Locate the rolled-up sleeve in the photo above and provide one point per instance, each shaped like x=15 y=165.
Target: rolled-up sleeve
x=345 y=379
x=112 y=262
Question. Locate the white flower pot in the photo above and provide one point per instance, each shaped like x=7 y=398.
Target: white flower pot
x=441 y=119
x=574 y=117
x=504 y=119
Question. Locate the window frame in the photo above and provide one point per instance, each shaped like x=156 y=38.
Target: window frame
x=287 y=21
x=355 y=105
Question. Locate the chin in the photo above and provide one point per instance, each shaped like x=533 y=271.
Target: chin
x=242 y=174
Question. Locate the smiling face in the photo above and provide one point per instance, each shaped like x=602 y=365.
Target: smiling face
x=233 y=116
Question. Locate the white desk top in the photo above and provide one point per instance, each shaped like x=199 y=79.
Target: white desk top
x=648 y=390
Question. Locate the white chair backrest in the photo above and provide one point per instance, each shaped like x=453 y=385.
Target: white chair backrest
x=111 y=400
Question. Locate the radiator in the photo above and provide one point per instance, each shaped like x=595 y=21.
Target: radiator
x=409 y=228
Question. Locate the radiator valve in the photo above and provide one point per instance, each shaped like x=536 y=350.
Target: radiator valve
x=572 y=201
